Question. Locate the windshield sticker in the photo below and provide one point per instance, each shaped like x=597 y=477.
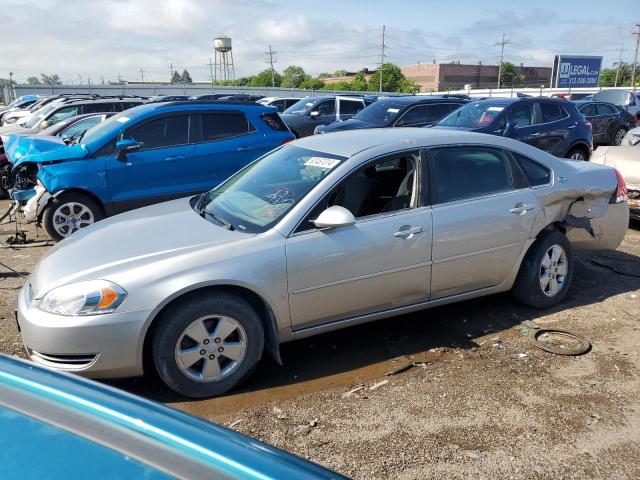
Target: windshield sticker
x=495 y=109
x=393 y=110
x=123 y=119
x=321 y=162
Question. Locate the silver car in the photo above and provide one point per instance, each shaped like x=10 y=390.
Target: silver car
x=323 y=233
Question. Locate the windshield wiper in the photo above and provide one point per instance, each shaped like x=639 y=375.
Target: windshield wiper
x=217 y=218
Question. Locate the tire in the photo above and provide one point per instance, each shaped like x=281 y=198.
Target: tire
x=617 y=137
x=85 y=212
x=179 y=358
x=577 y=153
x=528 y=287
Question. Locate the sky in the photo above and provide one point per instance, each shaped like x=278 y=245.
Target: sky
x=101 y=39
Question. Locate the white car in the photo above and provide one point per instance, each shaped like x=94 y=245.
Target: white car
x=279 y=102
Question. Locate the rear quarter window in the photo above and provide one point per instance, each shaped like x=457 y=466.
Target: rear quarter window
x=218 y=126
x=552 y=112
x=536 y=173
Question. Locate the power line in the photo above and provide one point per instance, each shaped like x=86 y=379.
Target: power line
x=502 y=44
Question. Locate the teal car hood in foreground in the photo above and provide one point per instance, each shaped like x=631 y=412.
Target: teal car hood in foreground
x=77 y=428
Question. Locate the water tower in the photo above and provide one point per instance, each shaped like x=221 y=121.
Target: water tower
x=223 y=59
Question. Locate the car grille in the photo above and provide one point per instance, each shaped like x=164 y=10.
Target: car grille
x=63 y=361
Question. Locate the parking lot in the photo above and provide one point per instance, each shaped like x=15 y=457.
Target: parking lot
x=471 y=397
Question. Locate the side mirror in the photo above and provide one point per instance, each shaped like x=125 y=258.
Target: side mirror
x=126 y=145
x=508 y=128
x=334 y=217
x=314 y=114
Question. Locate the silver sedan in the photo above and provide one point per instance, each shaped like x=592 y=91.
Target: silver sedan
x=320 y=234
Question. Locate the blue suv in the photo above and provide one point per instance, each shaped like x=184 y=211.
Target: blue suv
x=554 y=126
x=144 y=155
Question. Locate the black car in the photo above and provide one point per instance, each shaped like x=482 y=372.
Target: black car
x=626 y=99
x=303 y=117
x=237 y=97
x=410 y=111
x=610 y=123
x=549 y=124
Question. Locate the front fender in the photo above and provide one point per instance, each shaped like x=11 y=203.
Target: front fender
x=87 y=175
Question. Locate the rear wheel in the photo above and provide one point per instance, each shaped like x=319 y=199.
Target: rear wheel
x=545 y=275
x=206 y=345
x=68 y=213
x=618 y=136
x=577 y=153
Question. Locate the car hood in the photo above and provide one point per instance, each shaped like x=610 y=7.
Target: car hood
x=12 y=128
x=351 y=124
x=17 y=146
x=55 y=154
x=131 y=241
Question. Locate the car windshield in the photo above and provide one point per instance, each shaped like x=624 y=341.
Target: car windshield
x=35 y=117
x=301 y=107
x=473 y=115
x=258 y=196
x=380 y=113
x=96 y=132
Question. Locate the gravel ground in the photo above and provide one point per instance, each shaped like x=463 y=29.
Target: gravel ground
x=480 y=402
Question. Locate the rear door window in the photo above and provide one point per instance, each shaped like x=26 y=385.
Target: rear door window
x=162 y=132
x=551 y=112
x=221 y=125
x=604 y=109
x=522 y=114
x=461 y=173
x=536 y=174
x=326 y=107
x=588 y=110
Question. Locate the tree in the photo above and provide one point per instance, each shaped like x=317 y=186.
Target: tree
x=510 y=77
x=608 y=75
x=175 y=77
x=311 y=83
x=185 y=77
x=340 y=73
x=53 y=79
x=263 y=79
x=359 y=83
x=392 y=79
x=293 y=76
x=33 y=81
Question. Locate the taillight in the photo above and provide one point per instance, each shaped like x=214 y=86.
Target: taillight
x=287 y=140
x=621 y=192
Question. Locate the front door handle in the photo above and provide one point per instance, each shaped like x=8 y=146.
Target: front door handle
x=521 y=208
x=174 y=158
x=244 y=149
x=406 y=231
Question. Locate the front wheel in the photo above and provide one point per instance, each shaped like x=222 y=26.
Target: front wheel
x=206 y=345
x=577 y=154
x=546 y=272
x=618 y=136
x=68 y=213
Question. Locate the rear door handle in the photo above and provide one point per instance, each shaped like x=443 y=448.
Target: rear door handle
x=521 y=208
x=535 y=134
x=244 y=149
x=174 y=158
x=407 y=231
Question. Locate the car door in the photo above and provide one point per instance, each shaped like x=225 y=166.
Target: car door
x=589 y=112
x=483 y=213
x=554 y=126
x=326 y=113
x=227 y=141
x=163 y=168
x=522 y=116
x=381 y=262
x=347 y=107
x=609 y=121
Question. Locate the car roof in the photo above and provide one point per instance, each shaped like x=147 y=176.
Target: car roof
x=413 y=99
x=168 y=441
x=349 y=143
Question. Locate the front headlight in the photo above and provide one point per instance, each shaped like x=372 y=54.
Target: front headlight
x=83 y=298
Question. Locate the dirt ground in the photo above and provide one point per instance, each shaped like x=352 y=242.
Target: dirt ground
x=480 y=402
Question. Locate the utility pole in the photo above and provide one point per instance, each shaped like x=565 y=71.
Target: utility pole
x=502 y=44
x=142 y=74
x=10 y=86
x=80 y=78
x=271 y=61
x=635 y=57
x=382 y=58
x=210 y=70
x=615 y=83
x=171 y=73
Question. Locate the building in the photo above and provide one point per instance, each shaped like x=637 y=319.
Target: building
x=454 y=76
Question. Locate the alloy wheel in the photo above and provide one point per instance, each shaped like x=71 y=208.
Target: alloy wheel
x=577 y=156
x=211 y=348
x=619 y=136
x=553 y=270
x=71 y=217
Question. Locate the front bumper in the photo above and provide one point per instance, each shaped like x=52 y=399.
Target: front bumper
x=99 y=346
x=29 y=201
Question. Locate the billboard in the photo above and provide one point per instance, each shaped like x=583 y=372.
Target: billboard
x=574 y=71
